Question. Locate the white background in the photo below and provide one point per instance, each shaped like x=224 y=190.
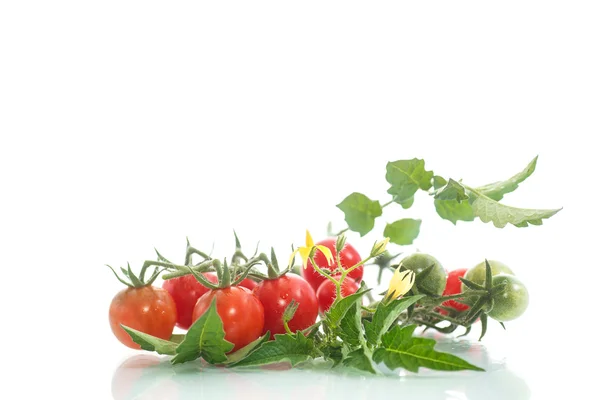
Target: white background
x=130 y=125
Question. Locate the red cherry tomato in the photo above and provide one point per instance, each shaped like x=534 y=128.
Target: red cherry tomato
x=248 y=284
x=242 y=313
x=186 y=291
x=147 y=309
x=326 y=293
x=348 y=258
x=453 y=286
x=276 y=294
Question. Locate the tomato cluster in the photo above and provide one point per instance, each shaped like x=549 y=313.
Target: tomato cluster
x=248 y=310
x=507 y=305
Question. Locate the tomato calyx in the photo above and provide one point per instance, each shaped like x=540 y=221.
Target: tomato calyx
x=137 y=281
x=288 y=314
x=224 y=275
x=479 y=297
x=241 y=268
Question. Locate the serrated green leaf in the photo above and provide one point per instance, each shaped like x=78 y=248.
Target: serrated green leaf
x=339 y=308
x=454 y=211
x=205 y=338
x=334 y=352
x=384 y=317
x=452 y=191
x=242 y=353
x=360 y=212
x=497 y=190
x=439 y=182
x=400 y=350
x=500 y=215
x=151 y=343
x=293 y=348
x=404 y=231
x=350 y=330
x=360 y=360
x=406 y=177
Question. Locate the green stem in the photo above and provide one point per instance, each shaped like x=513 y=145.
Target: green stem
x=338 y=288
x=313 y=326
x=352 y=268
x=320 y=271
x=342 y=231
x=387 y=204
x=338 y=285
x=440 y=300
x=287 y=328
x=225 y=276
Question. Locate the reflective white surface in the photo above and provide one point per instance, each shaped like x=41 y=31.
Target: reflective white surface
x=148 y=377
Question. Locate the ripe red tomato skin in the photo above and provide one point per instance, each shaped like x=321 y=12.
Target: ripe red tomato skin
x=276 y=294
x=242 y=313
x=454 y=286
x=326 y=293
x=348 y=258
x=148 y=309
x=186 y=291
x=248 y=284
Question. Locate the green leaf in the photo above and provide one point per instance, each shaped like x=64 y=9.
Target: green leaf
x=406 y=204
x=242 y=353
x=360 y=212
x=177 y=338
x=399 y=349
x=489 y=210
x=151 y=343
x=497 y=190
x=205 y=338
x=454 y=211
x=293 y=348
x=439 y=182
x=339 y=308
x=333 y=351
x=384 y=317
x=360 y=360
x=452 y=191
x=406 y=177
x=403 y=231
x=350 y=330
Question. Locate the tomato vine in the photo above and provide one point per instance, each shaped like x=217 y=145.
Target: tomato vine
x=277 y=319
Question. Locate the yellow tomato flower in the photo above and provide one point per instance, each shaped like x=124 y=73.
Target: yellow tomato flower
x=400 y=283
x=305 y=251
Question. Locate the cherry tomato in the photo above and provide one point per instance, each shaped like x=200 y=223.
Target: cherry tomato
x=348 y=258
x=276 y=294
x=433 y=283
x=147 y=309
x=476 y=274
x=454 y=286
x=326 y=293
x=242 y=313
x=512 y=302
x=248 y=284
x=186 y=291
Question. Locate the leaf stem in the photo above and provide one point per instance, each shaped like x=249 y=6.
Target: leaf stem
x=287 y=328
x=320 y=271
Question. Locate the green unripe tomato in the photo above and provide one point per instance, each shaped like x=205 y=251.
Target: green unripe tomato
x=477 y=273
x=435 y=282
x=512 y=302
